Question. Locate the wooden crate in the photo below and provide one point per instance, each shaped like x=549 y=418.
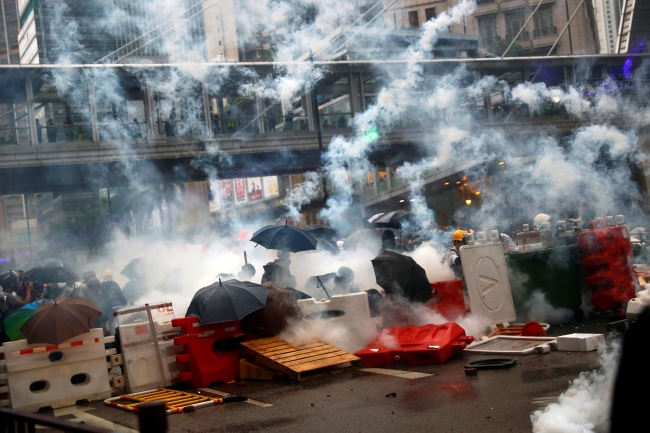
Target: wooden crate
x=296 y=360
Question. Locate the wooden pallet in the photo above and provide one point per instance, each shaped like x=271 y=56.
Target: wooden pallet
x=296 y=360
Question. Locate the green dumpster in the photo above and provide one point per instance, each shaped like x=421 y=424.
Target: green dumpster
x=553 y=271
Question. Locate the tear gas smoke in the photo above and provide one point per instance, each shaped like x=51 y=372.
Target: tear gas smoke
x=588 y=171
x=585 y=406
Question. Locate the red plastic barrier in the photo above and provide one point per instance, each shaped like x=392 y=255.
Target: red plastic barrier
x=449 y=301
x=415 y=345
x=608 y=261
x=210 y=351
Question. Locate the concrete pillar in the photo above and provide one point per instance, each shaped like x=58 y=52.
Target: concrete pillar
x=92 y=106
x=206 y=109
x=31 y=116
x=309 y=110
x=362 y=98
x=259 y=109
x=355 y=99
x=150 y=112
x=389 y=179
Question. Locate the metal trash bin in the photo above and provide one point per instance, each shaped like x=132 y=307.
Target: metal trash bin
x=554 y=271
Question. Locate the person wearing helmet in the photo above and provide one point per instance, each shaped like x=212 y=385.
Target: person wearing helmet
x=452 y=258
x=115 y=298
x=540 y=220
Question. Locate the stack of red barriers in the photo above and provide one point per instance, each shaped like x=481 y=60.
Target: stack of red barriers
x=415 y=345
x=210 y=352
x=608 y=261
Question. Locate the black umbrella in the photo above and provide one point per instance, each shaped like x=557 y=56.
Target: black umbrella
x=365 y=238
x=133 y=270
x=226 y=301
x=401 y=275
x=391 y=220
x=322 y=231
x=326 y=245
x=285 y=238
x=59 y=263
x=50 y=274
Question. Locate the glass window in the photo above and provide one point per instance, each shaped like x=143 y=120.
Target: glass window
x=430 y=13
x=514 y=22
x=487 y=28
x=414 y=21
x=544 y=24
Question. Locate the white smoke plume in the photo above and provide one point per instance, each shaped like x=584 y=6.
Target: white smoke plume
x=585 y=406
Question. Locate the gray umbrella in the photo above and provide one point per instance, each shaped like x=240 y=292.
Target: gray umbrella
x=227 y=301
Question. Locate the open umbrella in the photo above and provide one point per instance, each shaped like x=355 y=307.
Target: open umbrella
x=322 y=231
x=365 y=238
x=49 y=274
x=280 y=310
x=133 y=270
x=401 y=275
x=226 y=301
x=285 y=238
x=59 y=321
x=16 y=319
x=327 y=245
x=391 y=220
x=59 y=263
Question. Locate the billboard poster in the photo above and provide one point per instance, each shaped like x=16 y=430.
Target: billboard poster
x=240 y=191
x=213 y=197
x=225 y=187
x=270 y=186
x=254 y=185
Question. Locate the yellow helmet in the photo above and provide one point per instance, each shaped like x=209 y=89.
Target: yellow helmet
x=458 y=235
x=108 y=273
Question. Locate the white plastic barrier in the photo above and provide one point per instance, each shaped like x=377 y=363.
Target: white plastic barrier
x=350 y=312
x=141 y=356
x=39 y=375
x=148 y=346
x=486 y=277
x=634 y=307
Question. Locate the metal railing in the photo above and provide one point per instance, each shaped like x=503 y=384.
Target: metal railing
x=152 y=419
x=12 y=421
x=522 y=37
x=540 y=33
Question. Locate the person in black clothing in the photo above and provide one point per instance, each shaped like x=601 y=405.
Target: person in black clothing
x=115 y=297
x=39 y=131
x=51 y=131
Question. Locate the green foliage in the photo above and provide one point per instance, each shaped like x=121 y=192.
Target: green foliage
x=499 y=47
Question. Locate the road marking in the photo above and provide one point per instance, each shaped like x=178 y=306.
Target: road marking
x=80 y=414
x=225 y=394
x=397 y=373
x=542 y=402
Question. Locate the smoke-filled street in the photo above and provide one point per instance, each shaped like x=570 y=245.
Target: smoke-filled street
x=290 y=215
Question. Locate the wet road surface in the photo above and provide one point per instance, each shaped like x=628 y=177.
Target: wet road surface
x=355 y=401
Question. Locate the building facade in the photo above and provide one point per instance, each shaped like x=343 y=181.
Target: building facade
x=608 y=19
x=497 y=23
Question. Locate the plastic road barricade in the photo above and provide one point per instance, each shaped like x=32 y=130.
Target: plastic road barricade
x=449 y=299
x=608 y=261
x=415 y=345
x=487 y=282
x=349 y=312
x=210 y=352
x=553 y=271
x=58 y=375
x=148 y=346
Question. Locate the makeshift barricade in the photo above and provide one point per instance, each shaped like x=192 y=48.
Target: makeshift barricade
x=351 y=312
x=415 y=345
x=608 y=261
x=210 y=352
x=148 y=346
x=448 y=295
x=486 y=277
x=58 y=375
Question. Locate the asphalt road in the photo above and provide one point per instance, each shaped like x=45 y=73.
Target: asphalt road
x=356 y=401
